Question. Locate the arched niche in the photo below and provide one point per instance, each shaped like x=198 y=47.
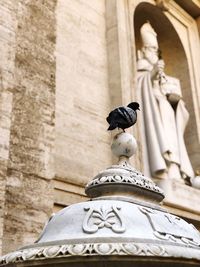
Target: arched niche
x=175 y=59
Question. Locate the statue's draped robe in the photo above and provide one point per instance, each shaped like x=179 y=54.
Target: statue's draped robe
x=164 y=129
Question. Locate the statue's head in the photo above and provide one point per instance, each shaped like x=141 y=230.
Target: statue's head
x=151 y=54
x=150 y=43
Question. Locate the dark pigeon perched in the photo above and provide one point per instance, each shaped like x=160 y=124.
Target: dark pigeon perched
x=123 y=117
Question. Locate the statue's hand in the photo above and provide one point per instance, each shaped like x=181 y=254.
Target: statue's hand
x=160 y=65
x=158 y=69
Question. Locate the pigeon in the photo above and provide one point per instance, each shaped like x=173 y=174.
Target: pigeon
x=123 y=117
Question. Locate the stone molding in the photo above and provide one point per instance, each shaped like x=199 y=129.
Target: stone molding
x=95 y=249
x=122 y=175
x=121 y=179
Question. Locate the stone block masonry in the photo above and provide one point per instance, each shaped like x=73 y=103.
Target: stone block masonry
x=28 y=191
x=47 y=133
x=82 y=93
x=7 y=47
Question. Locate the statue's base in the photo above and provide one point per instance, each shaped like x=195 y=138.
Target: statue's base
x=181 y=196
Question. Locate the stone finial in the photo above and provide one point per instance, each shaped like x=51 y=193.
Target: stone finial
x=124 y=145
x=122 y=180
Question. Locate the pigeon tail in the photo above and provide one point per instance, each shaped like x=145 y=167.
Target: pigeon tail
x=112 y=126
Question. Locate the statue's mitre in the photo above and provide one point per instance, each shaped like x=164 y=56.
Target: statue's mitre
x=149 y=36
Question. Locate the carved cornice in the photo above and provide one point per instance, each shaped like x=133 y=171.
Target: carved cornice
x=124 y=179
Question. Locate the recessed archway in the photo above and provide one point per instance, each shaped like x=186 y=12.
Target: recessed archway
x=175 y=59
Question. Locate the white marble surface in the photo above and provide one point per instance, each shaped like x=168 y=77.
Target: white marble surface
x=124 y=144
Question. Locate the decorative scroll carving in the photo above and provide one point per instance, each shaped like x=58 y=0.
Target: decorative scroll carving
x=96 y=219
x=170 y=227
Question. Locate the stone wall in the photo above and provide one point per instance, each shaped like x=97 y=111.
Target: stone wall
x=7 y=45
x=28 y=193
x=50 y=133
x=64 y=64
x=82 y=94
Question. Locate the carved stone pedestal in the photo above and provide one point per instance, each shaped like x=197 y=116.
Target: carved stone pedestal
x=122 y=225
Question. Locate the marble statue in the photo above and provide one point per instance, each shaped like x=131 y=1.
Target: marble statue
x=164 y=115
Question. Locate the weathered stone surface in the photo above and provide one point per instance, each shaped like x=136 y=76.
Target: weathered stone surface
x=28 y=206
x=5 y=112
x=28 y=193
x=7 y=42
x=82 y=93
x=66 y=194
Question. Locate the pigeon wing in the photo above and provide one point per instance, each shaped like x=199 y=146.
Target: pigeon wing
x=127 y=114
x=115 y=115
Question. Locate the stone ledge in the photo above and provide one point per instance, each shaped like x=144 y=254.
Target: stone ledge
x=181 y=196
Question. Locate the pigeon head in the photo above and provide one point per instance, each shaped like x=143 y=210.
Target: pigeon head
x=134 y=106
